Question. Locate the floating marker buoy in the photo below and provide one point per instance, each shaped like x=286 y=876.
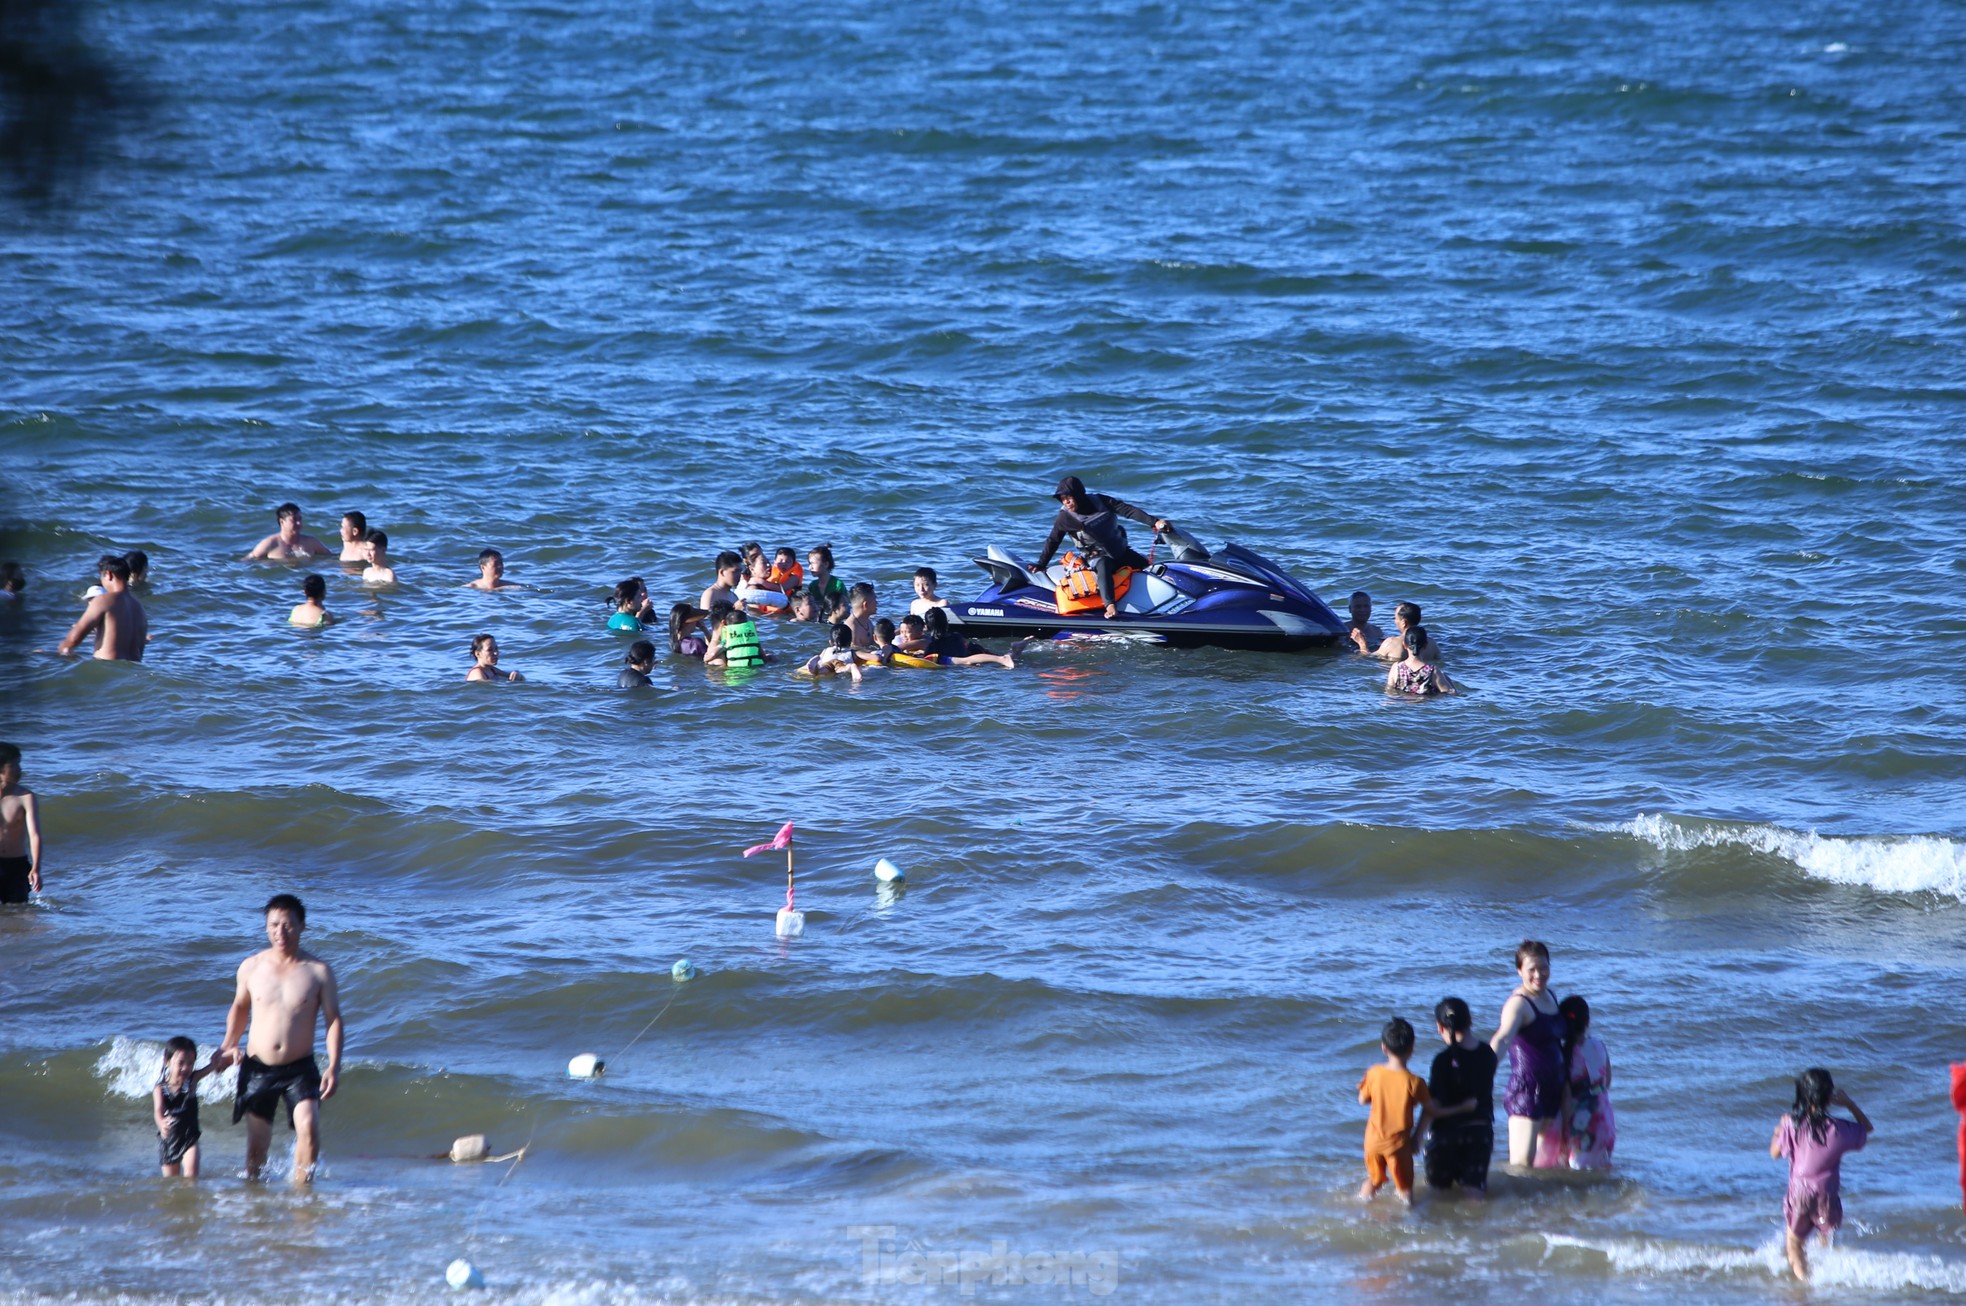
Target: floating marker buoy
x=791 y=923
x=463 y=1274
x=682 y=970
x=887 y=872
x=586 y=1066
x=471 y=1147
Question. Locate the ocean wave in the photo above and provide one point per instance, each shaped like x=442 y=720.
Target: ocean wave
x=129 y=1068
x=1842 y=1266
x=1891 y=864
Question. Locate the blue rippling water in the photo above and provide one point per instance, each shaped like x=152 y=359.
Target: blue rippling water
x=1624 y=338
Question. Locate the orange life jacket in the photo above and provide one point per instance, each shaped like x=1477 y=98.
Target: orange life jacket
x=795 y=574
x=1080 y=590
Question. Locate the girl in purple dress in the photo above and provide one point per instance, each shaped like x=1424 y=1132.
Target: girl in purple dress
x=1530 y=1033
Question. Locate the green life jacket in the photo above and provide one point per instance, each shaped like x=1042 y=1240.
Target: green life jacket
x=740 y=644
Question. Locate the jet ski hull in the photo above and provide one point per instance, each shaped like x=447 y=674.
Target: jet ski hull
x=1233 y=599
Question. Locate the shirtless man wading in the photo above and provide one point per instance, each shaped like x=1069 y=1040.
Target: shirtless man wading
x=114 y=615
x=281 y=991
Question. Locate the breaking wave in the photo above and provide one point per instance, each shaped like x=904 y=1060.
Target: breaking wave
x=1907 y=864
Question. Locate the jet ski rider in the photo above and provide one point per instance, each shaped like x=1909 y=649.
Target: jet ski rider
x=1093 y=522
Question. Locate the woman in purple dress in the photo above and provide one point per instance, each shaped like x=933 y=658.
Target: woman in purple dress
x=1531 y=1034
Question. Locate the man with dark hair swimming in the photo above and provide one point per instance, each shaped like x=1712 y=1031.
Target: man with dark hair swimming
x=289 y=541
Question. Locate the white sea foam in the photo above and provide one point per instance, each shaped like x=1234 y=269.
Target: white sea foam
x=1910 y=864
x=131 y=1067
x=1653 y=1256
x=1842 y=1266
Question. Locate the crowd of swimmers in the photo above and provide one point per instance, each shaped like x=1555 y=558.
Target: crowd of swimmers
x=720 y=629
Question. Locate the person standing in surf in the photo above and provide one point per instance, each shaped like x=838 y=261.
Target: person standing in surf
x=1815 y=1142
x=1531 y=1033
x=1093 y=522
x=281 y=992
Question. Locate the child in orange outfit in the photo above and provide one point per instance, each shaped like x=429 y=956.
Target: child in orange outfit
x=786 y=573
x=1391 y=1133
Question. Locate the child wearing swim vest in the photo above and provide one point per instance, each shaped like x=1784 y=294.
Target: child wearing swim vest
x=1815 y=1141
x=735 y=642
x=786 y=573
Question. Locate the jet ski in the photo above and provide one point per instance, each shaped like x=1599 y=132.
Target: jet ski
x=1232 y=598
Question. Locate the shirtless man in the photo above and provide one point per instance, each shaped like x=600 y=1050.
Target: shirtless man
x=114 y=615
x=1364 y=635
x=288 y=543
x=354 y=532
x=281 y=991
x=491 y=573
x=20 y=831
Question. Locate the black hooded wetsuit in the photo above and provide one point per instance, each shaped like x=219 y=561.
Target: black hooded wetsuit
x=1100 y=537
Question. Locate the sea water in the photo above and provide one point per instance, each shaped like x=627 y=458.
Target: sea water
x=1624 y=338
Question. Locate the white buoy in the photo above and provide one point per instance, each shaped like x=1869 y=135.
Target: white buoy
x=682 y=970
x=463 y=1274
x=887 y=872
x=586 y=1066
x=791 y=923
x=471 y=1147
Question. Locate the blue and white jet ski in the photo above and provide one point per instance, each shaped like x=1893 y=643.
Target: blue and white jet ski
x=1232 y=598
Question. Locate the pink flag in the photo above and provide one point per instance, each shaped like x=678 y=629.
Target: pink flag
x=783 y=840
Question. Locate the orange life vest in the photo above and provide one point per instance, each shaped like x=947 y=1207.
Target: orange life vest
x=1080 y=590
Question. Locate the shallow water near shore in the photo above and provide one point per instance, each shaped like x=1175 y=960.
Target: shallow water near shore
x=1625 y=341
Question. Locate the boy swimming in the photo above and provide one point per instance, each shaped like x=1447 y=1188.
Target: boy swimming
x=925 y=595
x=354 y=532
x=376 y=550
x=861 y=606
x=730 y=568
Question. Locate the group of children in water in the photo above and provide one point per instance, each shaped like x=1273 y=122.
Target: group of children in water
x=1558 y=1102
x=721 y=629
